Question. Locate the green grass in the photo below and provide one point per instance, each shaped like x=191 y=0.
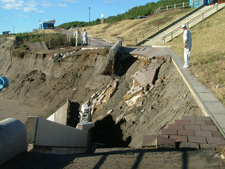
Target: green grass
x=208 y=53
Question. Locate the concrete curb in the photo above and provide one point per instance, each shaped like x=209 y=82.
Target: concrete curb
x=204 y=105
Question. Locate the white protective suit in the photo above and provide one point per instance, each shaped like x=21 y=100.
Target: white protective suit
x=77 y=35
x=85 y=40
x=187 y=50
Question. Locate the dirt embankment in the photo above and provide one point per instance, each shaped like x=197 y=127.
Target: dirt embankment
x=44 y=85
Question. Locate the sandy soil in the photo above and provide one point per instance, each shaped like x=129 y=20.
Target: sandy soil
x=39 y=86
x=120 y=158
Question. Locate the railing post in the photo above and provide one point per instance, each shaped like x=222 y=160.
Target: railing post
x=193 y=4
x=183 y=4
x=167 y=7
x=174 y=6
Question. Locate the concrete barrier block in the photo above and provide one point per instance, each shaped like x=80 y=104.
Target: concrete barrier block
x=57 y=135
x=31 y=125
x=13 y=139
x=60 y=116
x=85 y=126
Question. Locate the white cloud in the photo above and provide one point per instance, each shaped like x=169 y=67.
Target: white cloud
x=28 y=6
x=23 y=16
x=62 y=5
x=12 y=4
x=46 y=3
x=32 y=5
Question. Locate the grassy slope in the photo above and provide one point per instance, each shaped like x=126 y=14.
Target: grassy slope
x=208 y=53
x=130 y=29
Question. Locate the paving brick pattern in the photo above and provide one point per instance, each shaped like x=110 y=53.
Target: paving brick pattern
x=196 y=132
x=146 y=51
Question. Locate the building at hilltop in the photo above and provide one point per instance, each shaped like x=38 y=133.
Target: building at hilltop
x=5 y=32
x=48 y=24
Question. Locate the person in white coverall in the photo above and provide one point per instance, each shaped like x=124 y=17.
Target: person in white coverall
x=77 y=35
x=85 y=40
x=187 y=45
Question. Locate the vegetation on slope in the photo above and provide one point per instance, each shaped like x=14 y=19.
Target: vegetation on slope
x=130 y=29
x=207 y=61
x=143 y=10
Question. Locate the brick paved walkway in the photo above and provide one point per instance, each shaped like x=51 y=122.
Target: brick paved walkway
x=197 y=132
x=146 y=51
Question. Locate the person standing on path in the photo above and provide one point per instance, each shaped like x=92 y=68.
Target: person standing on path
x=187 y=45
x=77 y=35
x=85 y=40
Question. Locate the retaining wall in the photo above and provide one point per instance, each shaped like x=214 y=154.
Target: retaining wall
x=114 y=50
x=51 y=137
x=60 y=116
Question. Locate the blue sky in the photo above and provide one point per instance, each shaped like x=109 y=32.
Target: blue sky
x=19 y=16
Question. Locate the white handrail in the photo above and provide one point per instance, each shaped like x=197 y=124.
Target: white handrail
x=179 y=6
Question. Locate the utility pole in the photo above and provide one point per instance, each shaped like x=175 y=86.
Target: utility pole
x=89 y=15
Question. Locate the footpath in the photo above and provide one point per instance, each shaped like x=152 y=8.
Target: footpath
x=193 y=132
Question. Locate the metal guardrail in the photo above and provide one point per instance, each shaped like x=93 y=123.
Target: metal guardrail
x=161 y=27
x=157 y=28
x=187 y=23
x=179 y=6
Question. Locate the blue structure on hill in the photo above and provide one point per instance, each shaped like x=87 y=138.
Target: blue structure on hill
x=194 y=3
x=48 y=24
x=5 y=32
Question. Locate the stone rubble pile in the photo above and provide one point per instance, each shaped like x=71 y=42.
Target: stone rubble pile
x=102 y=96
x=59 y=56
x=143 y=81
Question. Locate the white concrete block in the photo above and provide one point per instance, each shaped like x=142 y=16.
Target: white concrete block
x=85 y=126
x=85 y=108
x=60 y=116
x=57 y=135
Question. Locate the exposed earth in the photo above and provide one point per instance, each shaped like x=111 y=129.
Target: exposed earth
x=40 y=85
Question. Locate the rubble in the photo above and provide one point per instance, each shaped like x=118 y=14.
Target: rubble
x=59 y=56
